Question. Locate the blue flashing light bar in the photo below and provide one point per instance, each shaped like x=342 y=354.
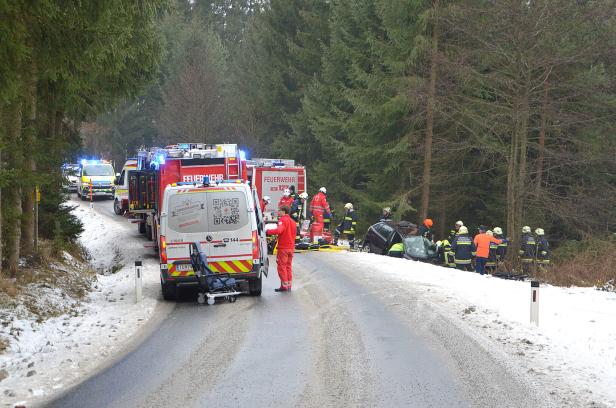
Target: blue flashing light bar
x=242 y=155
x=161 y=159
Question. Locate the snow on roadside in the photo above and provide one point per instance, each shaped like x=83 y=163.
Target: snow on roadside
x=45 y=358
x=572 y=350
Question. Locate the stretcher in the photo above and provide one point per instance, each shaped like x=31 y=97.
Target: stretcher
x=211 y=285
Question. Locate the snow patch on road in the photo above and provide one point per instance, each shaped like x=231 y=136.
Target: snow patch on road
x=46 y=357
x=573 y=350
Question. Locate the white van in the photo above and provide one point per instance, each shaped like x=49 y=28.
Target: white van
x=120 y=202
x=226 y=219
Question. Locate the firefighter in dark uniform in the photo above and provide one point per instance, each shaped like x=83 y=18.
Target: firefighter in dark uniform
x=347 y=226
x=297 y=212
x=490 y=266
x=386 y=215
x=543 y=249
x=454 y=232
x=463 y=249
x=502 y=247
x=528 y=250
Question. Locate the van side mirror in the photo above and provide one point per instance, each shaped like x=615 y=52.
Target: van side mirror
x=117 y=180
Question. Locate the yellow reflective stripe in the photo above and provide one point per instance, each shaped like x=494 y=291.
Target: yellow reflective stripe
x=242 y=267
x=226 y=267
x=213 y=268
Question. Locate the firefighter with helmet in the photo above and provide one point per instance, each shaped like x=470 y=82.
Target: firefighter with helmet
x=454 y=232
x=347 y=226
x=543 y=248
x=386 y=215
x=528 y=249
x=286 y=199
x=426 y=230
x=298 y=213
x=319 y=206
x=501 y=253
x=463 y=249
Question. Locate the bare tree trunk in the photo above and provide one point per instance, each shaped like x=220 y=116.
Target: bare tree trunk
x=512 y=170
x=427 y=168
x=12 y=194
x=522 y=128
x=29 y=166
x=542 y=132
x=2 y=122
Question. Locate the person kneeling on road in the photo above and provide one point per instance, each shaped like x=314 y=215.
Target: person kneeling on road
x=286 y=247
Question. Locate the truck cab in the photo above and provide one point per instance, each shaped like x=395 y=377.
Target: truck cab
x=225 y=217
x=97 y=175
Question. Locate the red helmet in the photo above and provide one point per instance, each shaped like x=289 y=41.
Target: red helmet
x=428 y=222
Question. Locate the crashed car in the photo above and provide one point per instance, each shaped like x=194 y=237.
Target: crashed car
x=381 y=236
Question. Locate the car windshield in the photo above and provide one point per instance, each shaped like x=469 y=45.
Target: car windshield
x=98 y=170
x=71 y=171
x=416 y=247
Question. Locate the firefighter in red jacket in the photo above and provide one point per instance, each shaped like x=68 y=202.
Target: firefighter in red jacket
x=319 y=206
x=286 y=199
x=286 y=247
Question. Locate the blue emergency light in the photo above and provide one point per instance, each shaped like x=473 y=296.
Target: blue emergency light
x=242 y=155
x=206 y=181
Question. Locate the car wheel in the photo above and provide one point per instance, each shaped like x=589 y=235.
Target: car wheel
x=170 y=290
x=117 y=208
x=366 y=247
x=255 y=285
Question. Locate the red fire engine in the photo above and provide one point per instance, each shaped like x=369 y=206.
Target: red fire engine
x=184 y=162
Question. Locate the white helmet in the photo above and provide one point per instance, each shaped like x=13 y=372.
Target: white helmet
x=303 y=195
x=323 y=190
x=287 y=192
x=459 y=224
x=525 y=229
x=539 y=231
x=498 y=231
x=387 y=209
x=463 y=230
x=348 y=206
x=489 y=232
x=267 y=199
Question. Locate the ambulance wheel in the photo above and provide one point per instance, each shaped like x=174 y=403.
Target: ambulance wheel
x=255 y=285
x=170 y=290
x=117 y=207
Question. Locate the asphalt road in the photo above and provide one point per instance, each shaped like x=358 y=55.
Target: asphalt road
x=341 y=338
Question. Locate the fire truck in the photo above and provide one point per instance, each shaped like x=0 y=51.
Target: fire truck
x=271 y=177
x=158 y=168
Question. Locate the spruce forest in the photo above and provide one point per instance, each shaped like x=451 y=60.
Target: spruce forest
x=497 y=113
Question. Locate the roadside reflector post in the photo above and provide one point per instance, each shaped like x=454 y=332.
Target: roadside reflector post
x=138 y=280
x=91 y=198
x=534 y=302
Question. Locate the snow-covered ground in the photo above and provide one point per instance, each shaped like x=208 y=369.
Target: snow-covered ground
x=573 y=348
x=45 y=358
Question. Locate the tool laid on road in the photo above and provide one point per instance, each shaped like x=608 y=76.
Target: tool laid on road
x=211 y=285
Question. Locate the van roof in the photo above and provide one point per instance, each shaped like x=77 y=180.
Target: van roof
x=224 y=186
